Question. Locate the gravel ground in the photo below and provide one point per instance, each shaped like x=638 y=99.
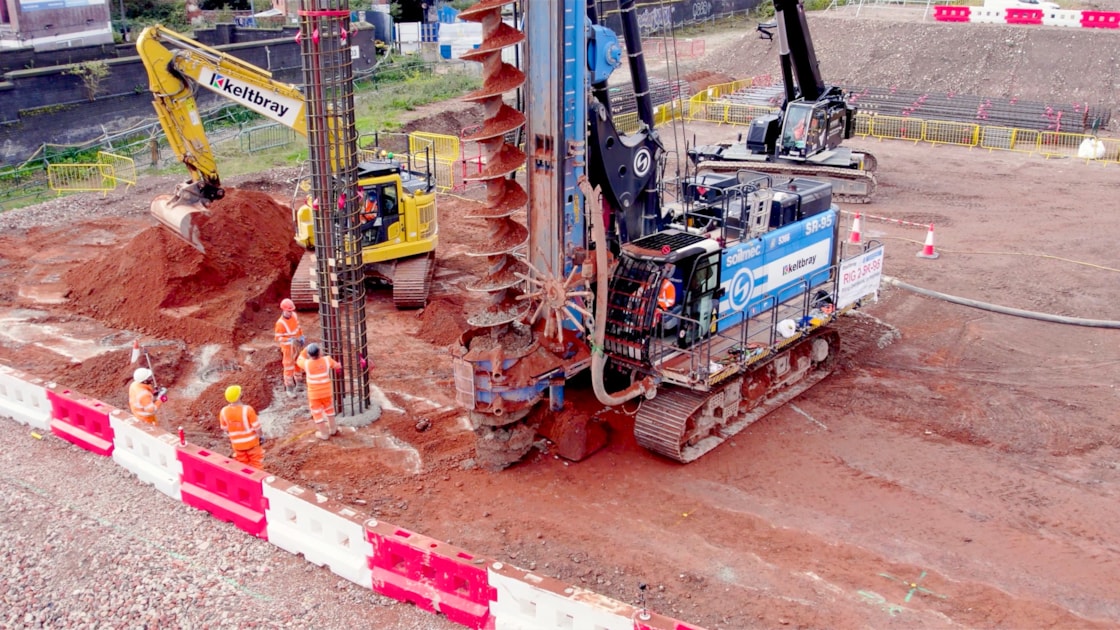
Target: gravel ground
x=85 y=545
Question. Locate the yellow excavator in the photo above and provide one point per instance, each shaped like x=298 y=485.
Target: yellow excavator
x=399 y=231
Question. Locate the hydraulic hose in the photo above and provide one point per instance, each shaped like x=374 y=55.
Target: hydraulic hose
x=599 y=332
x=1005 y=310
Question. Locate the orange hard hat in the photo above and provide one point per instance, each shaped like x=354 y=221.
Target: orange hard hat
x=287 y=305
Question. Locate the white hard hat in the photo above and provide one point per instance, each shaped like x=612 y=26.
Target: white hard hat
x=786 y=328
x=141 y=374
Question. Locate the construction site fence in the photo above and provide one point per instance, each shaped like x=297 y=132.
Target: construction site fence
x=103 y=176
x=708 y=106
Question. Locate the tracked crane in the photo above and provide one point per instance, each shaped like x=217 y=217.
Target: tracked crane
x=804 y=137
x=710 y=315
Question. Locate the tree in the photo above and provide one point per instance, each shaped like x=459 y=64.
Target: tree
x=91 y=73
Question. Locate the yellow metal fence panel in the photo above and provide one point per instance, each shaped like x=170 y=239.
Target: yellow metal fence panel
x=1111 y=149
x=744 y=114
x=445 y=146
x=897 y=128
x=626 y=123
x=445 y=174
x=124 y=168
x=863 y=124
x=80 y=177
x=942 y=132
x=1059 y=143
x=1002 y=138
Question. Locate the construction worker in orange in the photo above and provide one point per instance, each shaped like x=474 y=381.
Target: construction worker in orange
x=143 y=398
x=289 y=336
x=317 y=368
x=240 y=422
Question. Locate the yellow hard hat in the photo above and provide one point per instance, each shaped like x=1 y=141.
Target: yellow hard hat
x=233 y=393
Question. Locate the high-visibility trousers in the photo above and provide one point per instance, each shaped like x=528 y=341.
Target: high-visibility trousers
x=288 y=359
x=322 y=412
x=253 y=456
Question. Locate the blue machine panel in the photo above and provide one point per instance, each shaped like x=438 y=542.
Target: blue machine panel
x=757 y=274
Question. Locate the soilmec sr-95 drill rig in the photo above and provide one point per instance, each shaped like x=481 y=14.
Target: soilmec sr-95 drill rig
x=803 y=138
x=715 y=314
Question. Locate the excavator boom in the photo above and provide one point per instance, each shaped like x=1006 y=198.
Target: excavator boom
x=175 y=65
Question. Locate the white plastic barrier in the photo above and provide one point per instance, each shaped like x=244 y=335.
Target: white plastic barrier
x=324 y=531
x=24 y=398
x=986 y=15
x=1061 y=17
x=147 y=452
x=527 y=601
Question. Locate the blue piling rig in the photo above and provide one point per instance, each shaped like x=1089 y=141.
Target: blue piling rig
x=713 y=311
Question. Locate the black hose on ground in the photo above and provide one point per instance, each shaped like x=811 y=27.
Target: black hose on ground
x=1005 y=310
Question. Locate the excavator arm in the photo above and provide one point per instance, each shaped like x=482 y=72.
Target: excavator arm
x=176 y=65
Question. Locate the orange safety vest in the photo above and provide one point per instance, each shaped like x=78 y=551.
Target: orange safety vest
x=369 y=212
x=287 y=329
x=142 y=401
x=240 y=421
x=318 y=373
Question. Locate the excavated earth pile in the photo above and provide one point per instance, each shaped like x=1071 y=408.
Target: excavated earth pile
x=161 y=286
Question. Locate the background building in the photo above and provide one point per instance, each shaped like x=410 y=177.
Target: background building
x=50 y=24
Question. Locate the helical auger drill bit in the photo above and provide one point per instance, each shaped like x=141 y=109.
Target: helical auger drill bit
x=504 y=196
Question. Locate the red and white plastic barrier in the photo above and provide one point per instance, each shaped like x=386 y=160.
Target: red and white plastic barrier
x=224 y=487
x=80 y=420
x=147 y=452
x=327 y=533
x=24 y=398
x=470 y=590
x=435 y=576
x=1016 y=15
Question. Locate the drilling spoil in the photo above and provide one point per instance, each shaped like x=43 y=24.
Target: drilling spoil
x=160 y=286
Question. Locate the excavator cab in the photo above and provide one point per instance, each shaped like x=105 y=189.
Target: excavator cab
x=398 y=231
x=810 y=129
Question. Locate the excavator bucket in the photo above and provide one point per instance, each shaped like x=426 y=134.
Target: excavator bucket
x=183 y=218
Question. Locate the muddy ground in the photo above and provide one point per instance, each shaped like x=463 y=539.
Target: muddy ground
x=960 y=468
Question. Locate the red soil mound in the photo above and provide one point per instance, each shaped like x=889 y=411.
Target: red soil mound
x=443 y=321
x=161 y=286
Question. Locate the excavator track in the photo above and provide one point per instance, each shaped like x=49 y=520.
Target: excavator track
x=682 y=424
x=412 y=281
x=849 y=185
x=303 y=291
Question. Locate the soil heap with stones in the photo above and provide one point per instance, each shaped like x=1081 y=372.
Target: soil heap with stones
x=159 y=285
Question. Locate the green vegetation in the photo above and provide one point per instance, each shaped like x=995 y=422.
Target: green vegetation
x=380 y=107
x=91 y=73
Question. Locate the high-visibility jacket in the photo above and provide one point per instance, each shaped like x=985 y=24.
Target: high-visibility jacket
x=287 y=329
x=240 y=421
x=318 y=374
x=142 y=401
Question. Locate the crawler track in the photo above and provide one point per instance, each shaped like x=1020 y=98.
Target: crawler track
x=303 y=291
x=683 y=425
x=412 y=281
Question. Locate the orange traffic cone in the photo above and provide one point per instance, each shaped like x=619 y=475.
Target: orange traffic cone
x=927 y=249
x=854 y=236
